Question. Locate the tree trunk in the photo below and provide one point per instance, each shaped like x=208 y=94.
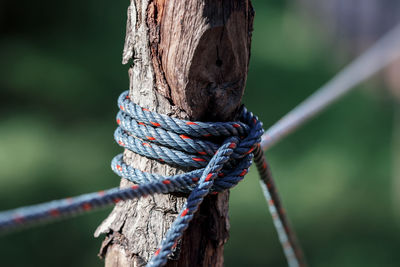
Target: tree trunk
x=190 y=60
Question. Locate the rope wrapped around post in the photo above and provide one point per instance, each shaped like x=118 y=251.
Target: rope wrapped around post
x=217 y=154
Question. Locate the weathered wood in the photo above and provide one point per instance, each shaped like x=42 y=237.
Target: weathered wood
x=190 y=60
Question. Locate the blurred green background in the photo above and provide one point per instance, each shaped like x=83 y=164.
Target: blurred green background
x=60 y=76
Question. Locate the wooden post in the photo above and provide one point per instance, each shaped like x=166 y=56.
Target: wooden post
x=190 y=60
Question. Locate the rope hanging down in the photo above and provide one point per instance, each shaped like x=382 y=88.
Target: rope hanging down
x=217 y=167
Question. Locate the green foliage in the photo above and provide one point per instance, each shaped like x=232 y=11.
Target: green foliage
x=61 y=75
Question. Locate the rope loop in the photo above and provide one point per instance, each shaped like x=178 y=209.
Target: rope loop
x=162 y=138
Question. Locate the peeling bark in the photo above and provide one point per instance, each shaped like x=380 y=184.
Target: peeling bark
x=189 y=60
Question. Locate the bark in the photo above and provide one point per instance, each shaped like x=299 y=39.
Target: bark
x=189 y=59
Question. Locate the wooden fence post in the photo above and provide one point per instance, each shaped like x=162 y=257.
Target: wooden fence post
x=188 y=59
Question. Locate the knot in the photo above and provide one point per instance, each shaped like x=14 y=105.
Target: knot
x=214 y=165
x=185 y=144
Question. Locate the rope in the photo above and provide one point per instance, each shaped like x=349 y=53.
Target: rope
x=381 y=54
x=214 y=167
x=286 y=234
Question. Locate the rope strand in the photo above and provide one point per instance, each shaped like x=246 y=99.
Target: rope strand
x=286 y=233
x=381 y=54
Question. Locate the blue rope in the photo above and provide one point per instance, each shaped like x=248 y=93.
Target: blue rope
x=215 y=167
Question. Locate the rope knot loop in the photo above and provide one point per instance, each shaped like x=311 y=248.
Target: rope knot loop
x=185 y=144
